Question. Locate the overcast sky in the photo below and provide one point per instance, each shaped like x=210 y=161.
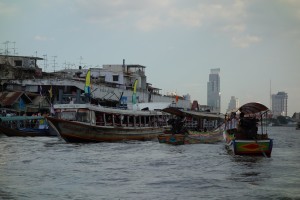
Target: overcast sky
x=253 y=42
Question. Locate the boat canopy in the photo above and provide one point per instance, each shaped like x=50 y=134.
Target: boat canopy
x=253 y=108
x=204 y=115
x=20 y=118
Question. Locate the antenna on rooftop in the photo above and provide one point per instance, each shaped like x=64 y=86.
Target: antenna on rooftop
x=54 y=57
x=270 y=94
x=14 y=48
x=6 y=51
x=80 y=59
x=45 y=62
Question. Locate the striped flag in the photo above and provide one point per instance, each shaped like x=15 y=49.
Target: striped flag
x=87 y=87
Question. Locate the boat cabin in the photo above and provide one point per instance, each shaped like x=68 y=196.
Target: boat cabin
x=101 y=116
x=248 y=122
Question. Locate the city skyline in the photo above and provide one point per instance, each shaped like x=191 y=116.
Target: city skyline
x=252 y=42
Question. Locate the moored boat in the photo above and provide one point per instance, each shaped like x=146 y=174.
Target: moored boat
x=188 y=128
x=95 y=123
x=22 y=126
x=246 y=138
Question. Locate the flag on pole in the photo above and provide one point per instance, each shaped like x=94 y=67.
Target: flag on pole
x=134 y=92
x=87 y=87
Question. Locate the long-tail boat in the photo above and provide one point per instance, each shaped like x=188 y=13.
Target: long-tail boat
x=249 y=136
x=22 y=126
x=189 y=127
x=94 y=123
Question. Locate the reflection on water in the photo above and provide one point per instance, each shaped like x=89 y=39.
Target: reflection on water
x=49 y=168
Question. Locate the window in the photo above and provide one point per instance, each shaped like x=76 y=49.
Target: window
x=83 y=115
x=18 y=63
x=115 y=77
x=68 y=115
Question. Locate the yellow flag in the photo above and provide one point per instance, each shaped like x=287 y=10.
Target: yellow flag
x=87 y=89
x=134 y=92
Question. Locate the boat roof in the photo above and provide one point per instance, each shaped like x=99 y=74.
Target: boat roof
x=107 y=109
x=19 y=118
x=253 y=108
x=203 y=115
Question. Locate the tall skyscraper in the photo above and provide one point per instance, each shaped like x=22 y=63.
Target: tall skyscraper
x=279 y=104
x=233 y=104
x=213 y=90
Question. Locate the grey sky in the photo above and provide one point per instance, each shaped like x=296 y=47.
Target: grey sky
x=251 y=41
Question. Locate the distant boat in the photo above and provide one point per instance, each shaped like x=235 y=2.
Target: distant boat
x=23 y=126
x=246 y=139
x=186 y=128
x=95 y=123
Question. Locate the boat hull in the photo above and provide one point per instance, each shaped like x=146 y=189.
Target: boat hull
x=175 y=139
x=25 y=132
x=253 y=147
x=191 y=138
x=258 y=147
x=72 y=131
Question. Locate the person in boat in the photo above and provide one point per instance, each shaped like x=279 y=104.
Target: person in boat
x=233 y=121
x=248 y=127
x=42 y=122
x=177 y=125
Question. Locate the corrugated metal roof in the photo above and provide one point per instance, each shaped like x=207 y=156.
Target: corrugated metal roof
x=10 y=98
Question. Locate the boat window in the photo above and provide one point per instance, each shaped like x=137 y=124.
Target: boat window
x=67 y=115
x=83 y=115
x=93 y=117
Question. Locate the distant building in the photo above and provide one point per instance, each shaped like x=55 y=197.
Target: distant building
x=19 y=67
x=205 y=108
x=233 y=104
x=296 y=117
x=195 y=106
x=213 y=90
x=279 y=104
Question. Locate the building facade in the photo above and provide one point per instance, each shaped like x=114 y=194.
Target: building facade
x=213 y=90
x=279 y=104
x=233 y=104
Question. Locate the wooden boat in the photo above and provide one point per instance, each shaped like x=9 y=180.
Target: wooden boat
x=23 y=126
x=192 y=137
x=186 y=129
x=95 y=123
x=246 y=139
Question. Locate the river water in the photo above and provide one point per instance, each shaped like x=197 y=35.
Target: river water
x=49 y=168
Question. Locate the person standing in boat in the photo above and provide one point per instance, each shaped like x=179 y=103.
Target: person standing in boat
x=233 y=121
x=42 y=122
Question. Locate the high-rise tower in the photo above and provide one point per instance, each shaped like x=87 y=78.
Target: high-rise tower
x=233 y=104
x=279 y=104
x=213 y=90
